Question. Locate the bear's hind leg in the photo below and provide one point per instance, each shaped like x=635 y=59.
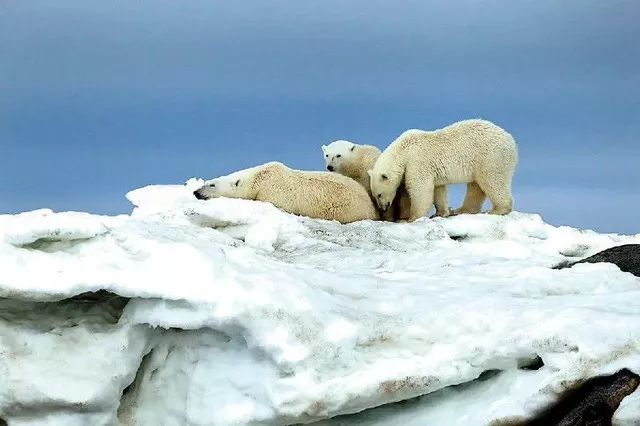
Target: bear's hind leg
x=498 y=189
x=503 y=208
x=473 y=199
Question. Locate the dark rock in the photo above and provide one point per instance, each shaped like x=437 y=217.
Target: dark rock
x=531 y=364
x=592 y=403
x=625 y=257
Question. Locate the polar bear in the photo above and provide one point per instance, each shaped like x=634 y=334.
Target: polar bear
x=319 y=195
x=475 y=152
x=355 y=160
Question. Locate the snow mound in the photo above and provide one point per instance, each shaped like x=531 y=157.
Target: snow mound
x=226 y=312
x=45 y=226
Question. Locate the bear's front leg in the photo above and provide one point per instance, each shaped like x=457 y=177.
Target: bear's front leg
x=421 y=199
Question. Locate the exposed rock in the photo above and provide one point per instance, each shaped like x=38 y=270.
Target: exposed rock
x=625 y=257
x=590 y=404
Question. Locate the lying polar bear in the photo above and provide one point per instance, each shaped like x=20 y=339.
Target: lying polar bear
x=319 y=195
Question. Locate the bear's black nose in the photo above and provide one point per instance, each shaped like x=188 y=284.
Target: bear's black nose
x=330 y=168
x=198 y=195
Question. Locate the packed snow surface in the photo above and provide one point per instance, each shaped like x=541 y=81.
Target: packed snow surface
x=231 y=312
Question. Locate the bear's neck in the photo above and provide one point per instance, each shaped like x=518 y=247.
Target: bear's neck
x=399 y=153
x=263 y=177
x=358 y=169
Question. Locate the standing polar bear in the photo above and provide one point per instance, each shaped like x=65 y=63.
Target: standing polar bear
x=319 y=195
x=475 y=152
x=355 y=161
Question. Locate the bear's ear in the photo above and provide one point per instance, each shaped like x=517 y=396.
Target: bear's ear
x=324 y=148
x=384 y=177
x=353 y=147
x=370 y=173
x=237 y=183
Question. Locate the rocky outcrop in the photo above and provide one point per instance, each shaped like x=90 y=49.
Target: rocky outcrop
x=591 y=404
x=625 y=257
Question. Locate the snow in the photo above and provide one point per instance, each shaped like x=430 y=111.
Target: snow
x=238 y=313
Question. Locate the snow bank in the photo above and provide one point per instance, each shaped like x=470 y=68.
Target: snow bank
x=232 y=312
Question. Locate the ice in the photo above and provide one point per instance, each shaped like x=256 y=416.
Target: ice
x=629 y=412
x=227 y=311
x=157 y=198
x=65 y=363
x=45 y=226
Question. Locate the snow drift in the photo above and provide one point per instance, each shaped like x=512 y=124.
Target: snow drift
x=231 y=312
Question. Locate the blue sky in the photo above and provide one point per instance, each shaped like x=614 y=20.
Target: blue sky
x=100 y=97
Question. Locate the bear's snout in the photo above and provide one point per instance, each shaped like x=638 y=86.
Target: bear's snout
x=198 y=195
x=330 y=168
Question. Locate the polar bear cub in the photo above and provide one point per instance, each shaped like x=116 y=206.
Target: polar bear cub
x=355 y=161
x=351 y=160
x=475 y=152
x=319 y=195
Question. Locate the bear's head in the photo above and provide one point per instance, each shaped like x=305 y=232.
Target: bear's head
x=231 y=186
x=338 y=153
x=384 y=185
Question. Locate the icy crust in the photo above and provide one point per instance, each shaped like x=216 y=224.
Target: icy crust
x=43 y=226
x=242 y=314
x=628 y=414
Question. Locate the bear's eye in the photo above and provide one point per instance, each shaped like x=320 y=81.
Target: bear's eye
x=213 y=185
x=338 y=156
x=326 y=155
x=379 y=195
x=384 y=177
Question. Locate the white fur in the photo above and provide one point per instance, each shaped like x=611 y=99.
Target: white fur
x=355 y=161
x=351 y=160
x=475 y=152
x=319 y=195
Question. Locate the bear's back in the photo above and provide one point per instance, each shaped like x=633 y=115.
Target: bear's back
x=464 y=139
x=321 y=195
